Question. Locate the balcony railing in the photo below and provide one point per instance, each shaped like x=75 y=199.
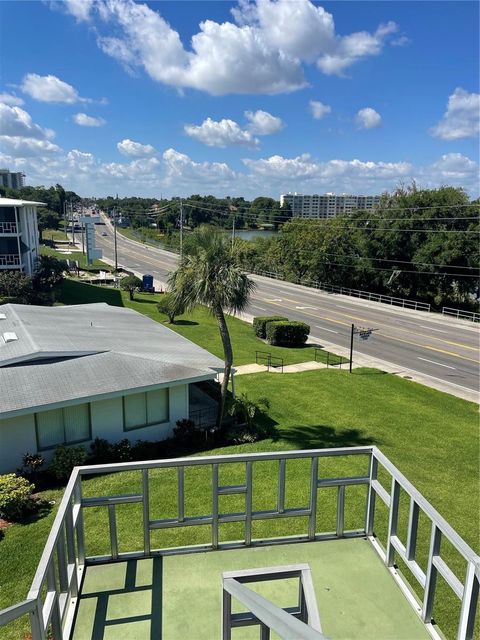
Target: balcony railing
x=10 y=260
x=52 y=599
x=8 y=227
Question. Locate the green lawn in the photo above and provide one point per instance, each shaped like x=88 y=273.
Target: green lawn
x=432 y=437
x=74 y=255
x=198 y=326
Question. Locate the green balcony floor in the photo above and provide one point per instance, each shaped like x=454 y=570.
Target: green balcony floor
x=180 y=597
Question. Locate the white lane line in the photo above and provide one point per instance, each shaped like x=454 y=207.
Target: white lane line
x=437 y=363
x=273 y=300
x=325 y=329
x=432 y=329
x=314 y=308
x=342 y=307
x=257 y=307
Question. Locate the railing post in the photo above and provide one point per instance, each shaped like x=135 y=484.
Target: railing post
x=392 y=522
x=469 y=604
x=248 y=505
x=312 y=521
x=112 y=523
x=412 y=530
x=181 y=493
x=431 y=580
x=77 y=495
x=340 y=510
x=36 y=621
x=371 y=495
x=281 y=486
x=214 y=505
x=146 y=512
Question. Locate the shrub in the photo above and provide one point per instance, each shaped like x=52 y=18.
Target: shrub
x=287 y=333
x=170 y=307
x=15 y=497
x=130 y=284
x=31 y=464
x=122 y=451
x=260 y=324
x=250 y=425
x=65 y=458
x=101 y=451
x=185 y=431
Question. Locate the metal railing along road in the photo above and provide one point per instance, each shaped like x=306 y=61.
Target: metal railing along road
x=347 y=291
x=461 y=314
x=52 y=599
x=271 y=362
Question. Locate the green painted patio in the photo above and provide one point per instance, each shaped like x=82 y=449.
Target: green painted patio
x=179 y=597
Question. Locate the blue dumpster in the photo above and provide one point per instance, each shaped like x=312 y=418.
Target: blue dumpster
x=147 y=283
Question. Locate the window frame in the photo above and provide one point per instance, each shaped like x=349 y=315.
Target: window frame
x=147 y=424
x=64 y=442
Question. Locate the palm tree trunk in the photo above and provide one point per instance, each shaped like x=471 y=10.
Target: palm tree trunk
x=228 y=357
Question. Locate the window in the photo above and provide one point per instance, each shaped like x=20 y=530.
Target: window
x=145 y=409
x=63 y=426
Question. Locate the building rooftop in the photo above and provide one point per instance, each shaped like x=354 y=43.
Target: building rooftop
x=12 y=202
x=50 y=355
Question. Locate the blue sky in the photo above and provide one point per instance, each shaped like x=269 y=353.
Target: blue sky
x=250 y=98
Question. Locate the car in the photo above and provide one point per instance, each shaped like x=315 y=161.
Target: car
x=104 y=233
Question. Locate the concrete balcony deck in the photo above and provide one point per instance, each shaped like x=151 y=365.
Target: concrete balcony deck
x=179 y=597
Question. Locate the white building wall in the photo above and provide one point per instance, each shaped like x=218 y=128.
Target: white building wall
x=27 y=217
x=18 y=436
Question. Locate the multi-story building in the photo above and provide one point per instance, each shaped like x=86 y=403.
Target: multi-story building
x=18 y=235
x=12 y=180
x=328 y=205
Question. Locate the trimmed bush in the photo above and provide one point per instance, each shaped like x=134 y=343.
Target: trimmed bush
x=15 y=497
x=170 y=307
x=260 y=324
x=287 y=333
x=64 y=459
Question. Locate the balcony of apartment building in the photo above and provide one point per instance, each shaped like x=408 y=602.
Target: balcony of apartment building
x=8 y=223
x=11 y=251
x=324 y=543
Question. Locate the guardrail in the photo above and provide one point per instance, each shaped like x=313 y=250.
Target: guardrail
x=266 y=358
x=9 y=260
x=459 y=313
x=332 y=359
x=52 y=599
x=347 y=291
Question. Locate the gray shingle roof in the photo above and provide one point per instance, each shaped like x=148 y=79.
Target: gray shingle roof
x=73 y=352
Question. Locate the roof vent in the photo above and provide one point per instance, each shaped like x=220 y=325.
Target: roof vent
x=3 y=316
x=10 y=336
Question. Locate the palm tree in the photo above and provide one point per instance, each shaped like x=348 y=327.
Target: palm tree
x=208 y=275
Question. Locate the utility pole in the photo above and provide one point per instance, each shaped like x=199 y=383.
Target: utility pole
x=115 y=238
x=82 y=228
x=351 y=346
x=181 y=228
x=233 y=231
x=73 y=224
x=65 y=221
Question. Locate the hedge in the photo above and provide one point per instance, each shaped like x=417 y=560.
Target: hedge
x=287 y=333
x=260 y=324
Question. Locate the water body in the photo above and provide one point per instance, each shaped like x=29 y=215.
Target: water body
x=250 y=234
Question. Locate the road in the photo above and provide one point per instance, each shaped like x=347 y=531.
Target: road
x=429 y=344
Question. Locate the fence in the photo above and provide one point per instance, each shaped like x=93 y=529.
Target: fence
x=265 y=357
x=459 y=313
x=332 y=359
x=52 y=599
x=346 y=291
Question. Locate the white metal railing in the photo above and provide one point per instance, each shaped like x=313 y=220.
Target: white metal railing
x=9 y=260
x=461 y=314
x=52 y=599
x=8 y=227
x=347 y=291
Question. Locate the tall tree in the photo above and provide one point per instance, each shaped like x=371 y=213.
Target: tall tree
x=209 y=275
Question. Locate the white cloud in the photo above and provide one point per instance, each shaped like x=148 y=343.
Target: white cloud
x=144 y=168
x=15 y=121
x=318 y=109
x=51 y=89
x=223 y=133
x=26 y=147
x=84 y=120
x=182 y=174
x=135 y=149
x=263 y=123
x=368 y=118
x=264 y=51
x=462 y=117
x=8 y=98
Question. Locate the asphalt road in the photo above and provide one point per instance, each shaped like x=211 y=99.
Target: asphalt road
x=430 y=344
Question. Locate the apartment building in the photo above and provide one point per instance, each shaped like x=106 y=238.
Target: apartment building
x=14 y=180
x=18 y=235
x=328 y=205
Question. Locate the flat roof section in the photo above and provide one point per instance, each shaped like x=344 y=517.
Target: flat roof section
x=180 y=597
